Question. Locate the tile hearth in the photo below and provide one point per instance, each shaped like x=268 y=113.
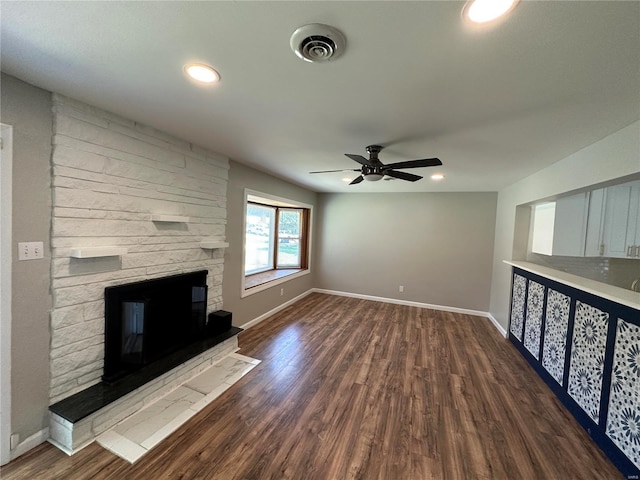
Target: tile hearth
x=139 y=433
x=77 y=421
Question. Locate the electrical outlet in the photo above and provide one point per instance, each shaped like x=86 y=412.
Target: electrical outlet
x=281 y=291
x=30 y=250
x=401 y=288
x=14 y=441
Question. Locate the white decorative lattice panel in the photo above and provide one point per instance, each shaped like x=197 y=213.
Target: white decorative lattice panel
x=623 y=419
x=587 y=358
x=517 y=306
x=533 y=325
x=555 y=334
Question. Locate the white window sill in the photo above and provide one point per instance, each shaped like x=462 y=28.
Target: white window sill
x=260 y=287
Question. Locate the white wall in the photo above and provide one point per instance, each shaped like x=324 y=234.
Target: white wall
x=438 y=246
x=110 y=175
x=615 y=156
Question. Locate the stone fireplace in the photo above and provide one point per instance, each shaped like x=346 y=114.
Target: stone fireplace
x=130 y=203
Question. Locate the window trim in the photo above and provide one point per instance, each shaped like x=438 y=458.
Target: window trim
x=273 y=200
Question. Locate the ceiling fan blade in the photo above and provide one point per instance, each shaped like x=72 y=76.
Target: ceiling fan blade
x=425 y=162
x=403 y=175
x=357 y=180
x=360 y=159
x=343 y=170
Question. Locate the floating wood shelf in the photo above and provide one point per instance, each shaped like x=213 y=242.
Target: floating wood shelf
x=211 y=244
x=169 y=218
x=94 y=252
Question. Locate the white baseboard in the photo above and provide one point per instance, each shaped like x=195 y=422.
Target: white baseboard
x=500 y=328
x=465 y=311
x=275 y=310
x=443 y=308
x=29 y=443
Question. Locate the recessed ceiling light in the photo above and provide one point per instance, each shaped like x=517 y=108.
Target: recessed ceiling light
x=346 y=179
x=483 y=11
x=201 y=73
x=437 y=176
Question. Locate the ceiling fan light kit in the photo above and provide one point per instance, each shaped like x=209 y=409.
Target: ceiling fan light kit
x=373 y=177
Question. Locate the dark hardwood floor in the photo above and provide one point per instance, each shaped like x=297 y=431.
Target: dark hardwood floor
x=352 y=388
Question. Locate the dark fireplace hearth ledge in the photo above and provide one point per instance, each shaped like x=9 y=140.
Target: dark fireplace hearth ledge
x=86 y=402
x=77 y=420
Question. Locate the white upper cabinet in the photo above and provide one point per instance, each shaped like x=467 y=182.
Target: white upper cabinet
x=616 y=220
x=570 y=225
x=613 y=222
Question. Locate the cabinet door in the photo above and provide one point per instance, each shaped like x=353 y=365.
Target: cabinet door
x=570 y=225
x=633 y=224
x=616 y=219
x=533 y=324
x=517 y=306
x=555 y=334
x=595 y=224
x=586 y=365
x=623 y=418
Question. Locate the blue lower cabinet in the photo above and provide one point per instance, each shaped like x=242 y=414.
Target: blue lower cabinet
x=587 y=349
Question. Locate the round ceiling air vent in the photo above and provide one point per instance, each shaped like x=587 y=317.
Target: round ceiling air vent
x=317 y=43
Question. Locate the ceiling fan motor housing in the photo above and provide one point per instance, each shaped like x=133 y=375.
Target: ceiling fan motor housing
x=317 y=43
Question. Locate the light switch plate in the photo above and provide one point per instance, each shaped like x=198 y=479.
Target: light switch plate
x=30 y=250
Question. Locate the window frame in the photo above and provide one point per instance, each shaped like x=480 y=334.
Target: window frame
x=268 y=200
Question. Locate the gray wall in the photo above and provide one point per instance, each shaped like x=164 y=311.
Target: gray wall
x=253 y=306
x=439 y=246
x=28 y=110
x=615 y=156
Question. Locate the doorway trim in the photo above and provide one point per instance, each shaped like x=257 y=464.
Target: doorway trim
x=6 y=168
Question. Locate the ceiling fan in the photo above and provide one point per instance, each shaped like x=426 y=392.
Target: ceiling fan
x=373 y=169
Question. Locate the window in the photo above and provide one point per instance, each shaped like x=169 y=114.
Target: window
x=290 y=227
x=260 y=238
x=276 y=239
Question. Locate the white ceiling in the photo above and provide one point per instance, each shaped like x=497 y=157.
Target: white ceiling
x=495 y=103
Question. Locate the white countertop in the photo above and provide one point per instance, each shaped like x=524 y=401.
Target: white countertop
x=615 y=294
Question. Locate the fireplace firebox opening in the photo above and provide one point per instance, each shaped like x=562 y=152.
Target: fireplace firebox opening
x=148 y=320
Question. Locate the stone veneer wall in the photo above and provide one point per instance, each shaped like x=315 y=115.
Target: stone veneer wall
x=110 y=175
